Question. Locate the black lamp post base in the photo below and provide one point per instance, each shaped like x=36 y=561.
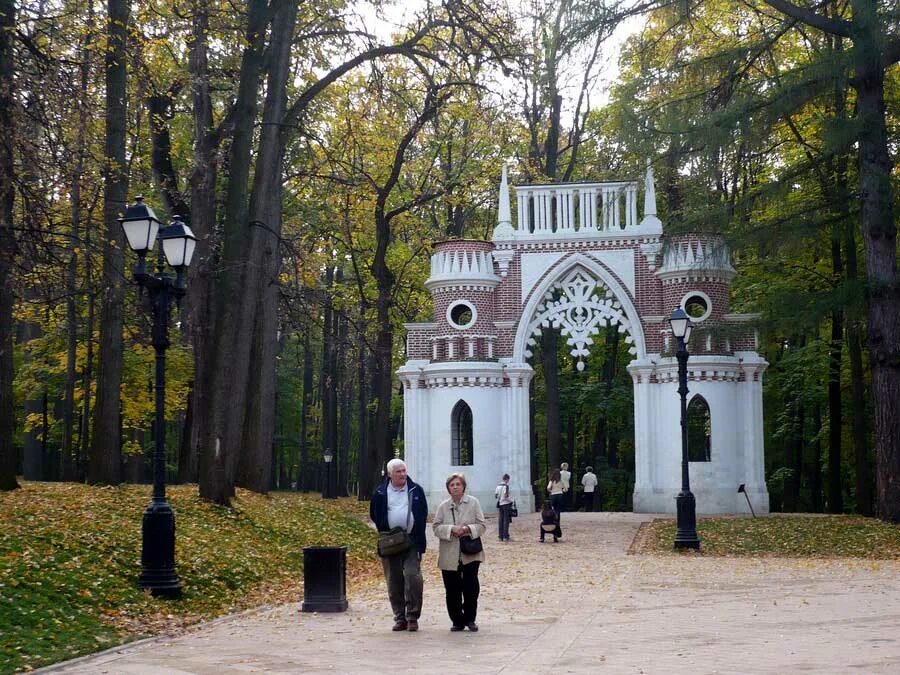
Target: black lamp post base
x=158 y=553
x=686 y=533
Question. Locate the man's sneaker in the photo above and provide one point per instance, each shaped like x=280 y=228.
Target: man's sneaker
x=412 y=625
x=456 y=629
x=399 y=625
x=472 y=627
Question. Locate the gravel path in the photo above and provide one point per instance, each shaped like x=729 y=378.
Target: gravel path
x=582 y=605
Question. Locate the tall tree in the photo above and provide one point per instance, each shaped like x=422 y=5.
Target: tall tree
x=105 y=462
x=874 y=50
x=8 y=456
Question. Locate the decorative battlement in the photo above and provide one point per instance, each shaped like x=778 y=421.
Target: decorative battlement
x=462 y=262
x=693 y=256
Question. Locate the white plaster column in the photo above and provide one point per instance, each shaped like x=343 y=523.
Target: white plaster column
x=643 y=424
x=518 y=451
x=415 y=422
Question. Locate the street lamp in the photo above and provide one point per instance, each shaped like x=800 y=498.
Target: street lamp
x=686 y=533
x=328 y=493
x=177 y=244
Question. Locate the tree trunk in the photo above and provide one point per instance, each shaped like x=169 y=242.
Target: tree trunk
x=879 y=231
x=68 y=468
x=344 y=387
x=303 y=480
x=793 y=459
x=196 y=306
x=363 y=491
x=8 y=455
x=260 y=288
x=329 y=395
x=227 y=372
x=105 y=461
x=87 y=376
x=549 y=341
x=835 y=412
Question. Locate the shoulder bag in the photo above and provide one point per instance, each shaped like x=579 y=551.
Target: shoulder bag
x=467 y=544
x=396 y=540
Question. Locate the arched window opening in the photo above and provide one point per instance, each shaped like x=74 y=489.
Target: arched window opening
x=699 y=430
x=461 y=431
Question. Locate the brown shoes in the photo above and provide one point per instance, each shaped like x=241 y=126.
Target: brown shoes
x=400 y=625
x=412 y=625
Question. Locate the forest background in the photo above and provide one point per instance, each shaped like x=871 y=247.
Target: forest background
x=317 y=163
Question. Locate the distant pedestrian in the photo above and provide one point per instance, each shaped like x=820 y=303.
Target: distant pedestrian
x=591 y=494
x=400 y=503
x=458 y=518
x=504 y=506
x=550 y=522
x=557 y=492
x=565 y=476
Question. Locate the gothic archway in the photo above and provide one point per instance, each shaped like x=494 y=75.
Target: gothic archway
x=580 y=297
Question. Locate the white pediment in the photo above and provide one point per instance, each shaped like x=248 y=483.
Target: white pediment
x=621 y=262
x=534 y=265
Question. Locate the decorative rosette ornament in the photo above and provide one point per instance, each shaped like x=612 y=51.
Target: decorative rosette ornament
x=579 y=306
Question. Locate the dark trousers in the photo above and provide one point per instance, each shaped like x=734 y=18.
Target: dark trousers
x=556 y=501
x=504 y=521
x=462 y=590
x=404 y=581
x=592 y=500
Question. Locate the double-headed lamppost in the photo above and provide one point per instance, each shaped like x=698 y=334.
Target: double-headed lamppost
x=686 y=534
x=177 y=247
x=328 y=493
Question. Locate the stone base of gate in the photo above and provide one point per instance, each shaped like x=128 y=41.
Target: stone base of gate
x=710 y=501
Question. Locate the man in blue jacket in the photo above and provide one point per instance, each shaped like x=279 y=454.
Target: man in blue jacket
x=399 y=502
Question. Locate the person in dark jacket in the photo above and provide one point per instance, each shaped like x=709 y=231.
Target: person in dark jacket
x=399 y=502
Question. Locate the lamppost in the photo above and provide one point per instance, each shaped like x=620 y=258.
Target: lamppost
x=686 y=533
x=328 y=492
x=177 y=244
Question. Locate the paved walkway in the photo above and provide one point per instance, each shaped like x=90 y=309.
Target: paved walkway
x=580 y=606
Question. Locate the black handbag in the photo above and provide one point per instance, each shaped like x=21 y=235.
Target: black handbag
x=470 y=546
x=513 y=511
x=467 y=544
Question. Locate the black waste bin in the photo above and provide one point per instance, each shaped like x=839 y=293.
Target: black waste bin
x=324 y=579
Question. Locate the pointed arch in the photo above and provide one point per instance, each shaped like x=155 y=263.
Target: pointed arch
x=462 y=453
x=699 y=425
x=579 y=295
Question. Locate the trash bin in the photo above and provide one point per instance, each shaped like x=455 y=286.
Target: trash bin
x=324 y=579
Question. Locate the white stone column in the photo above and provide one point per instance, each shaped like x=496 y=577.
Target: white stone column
x=415 y=422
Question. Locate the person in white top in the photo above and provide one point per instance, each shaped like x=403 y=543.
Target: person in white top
x=504 y=506
x=565 y=476
x=589 y=482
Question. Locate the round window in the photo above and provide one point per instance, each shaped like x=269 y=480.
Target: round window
x=461 y=314
x=697 y=305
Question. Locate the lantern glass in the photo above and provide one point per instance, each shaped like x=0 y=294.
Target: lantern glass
x=680 y=323
x=328 y=456
x=178 y=243
x=140 y=226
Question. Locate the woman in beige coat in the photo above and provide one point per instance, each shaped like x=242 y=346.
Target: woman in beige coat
x=457 y=517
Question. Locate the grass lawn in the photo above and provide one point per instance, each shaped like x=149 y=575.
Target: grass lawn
x=788 y=536
x=70 y=559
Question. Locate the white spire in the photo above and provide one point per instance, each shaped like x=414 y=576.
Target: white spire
x=504 y=216
x=504 y=229
x=650 y=222
x=649 y=192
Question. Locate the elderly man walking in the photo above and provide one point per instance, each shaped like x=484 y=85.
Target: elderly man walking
x=400 y=503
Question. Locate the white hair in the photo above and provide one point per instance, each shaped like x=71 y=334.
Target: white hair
x=395 y=463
